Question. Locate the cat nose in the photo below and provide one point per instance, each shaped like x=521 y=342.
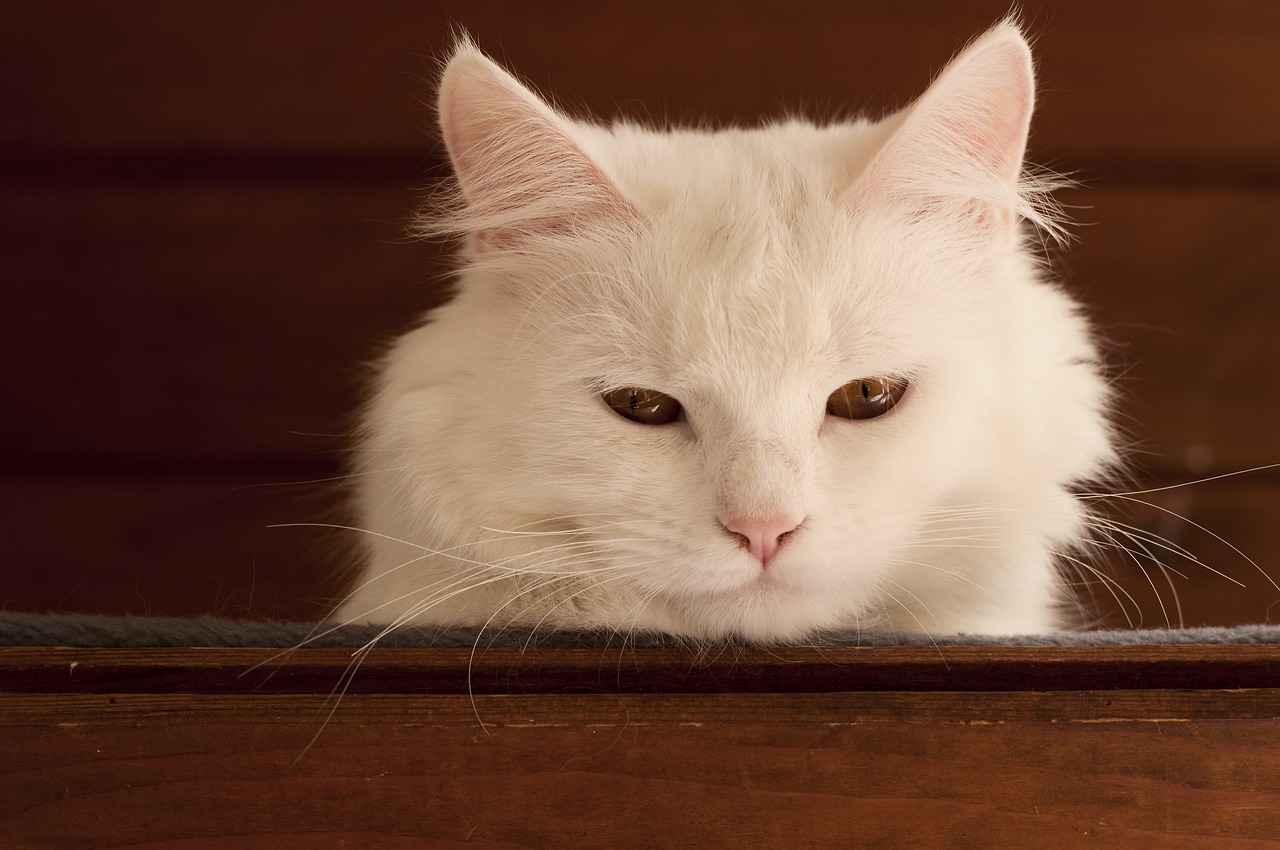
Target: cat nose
x=762 y=537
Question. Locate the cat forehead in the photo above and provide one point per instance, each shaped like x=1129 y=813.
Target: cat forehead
x=746 y=214
x=696 y=307
x=657 y=168
x=747 y=259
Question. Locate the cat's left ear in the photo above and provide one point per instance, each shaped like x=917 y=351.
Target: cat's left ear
x=959 y=148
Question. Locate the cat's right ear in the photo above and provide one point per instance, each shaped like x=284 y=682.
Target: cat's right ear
x=521 y=172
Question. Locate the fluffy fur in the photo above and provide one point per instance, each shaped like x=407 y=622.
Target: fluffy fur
x=747 y=273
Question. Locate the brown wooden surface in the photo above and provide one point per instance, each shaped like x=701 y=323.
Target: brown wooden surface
x=667 y=750
x=616 y=772
x=202 y=211
x=482 y=670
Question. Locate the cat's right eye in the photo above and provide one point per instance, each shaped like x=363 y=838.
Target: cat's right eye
x=648 y=407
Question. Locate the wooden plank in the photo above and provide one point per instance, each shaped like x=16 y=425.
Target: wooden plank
x=953 y=670
x=313 y=715
x=590 y=771
x=788 y=747
x=1172 y=88
x=185 y=740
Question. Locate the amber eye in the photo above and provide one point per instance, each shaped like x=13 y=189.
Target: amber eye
x=866 y=398
x=648 y=407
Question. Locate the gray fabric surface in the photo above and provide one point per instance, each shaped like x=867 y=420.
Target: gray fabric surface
x=86 y=630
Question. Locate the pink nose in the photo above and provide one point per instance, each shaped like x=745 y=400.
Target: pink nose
x=762 y=537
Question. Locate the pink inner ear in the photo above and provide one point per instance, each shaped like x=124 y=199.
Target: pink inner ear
x=965 y=136
x=520 y=169
x=1000 y=135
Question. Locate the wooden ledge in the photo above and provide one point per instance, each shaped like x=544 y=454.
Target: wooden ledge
x=623 y=670
x=993 y=747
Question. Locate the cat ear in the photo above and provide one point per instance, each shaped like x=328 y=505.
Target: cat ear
x=958 y=149
x=520 y=170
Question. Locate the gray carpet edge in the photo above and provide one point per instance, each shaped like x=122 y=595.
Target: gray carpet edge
x=94 y=630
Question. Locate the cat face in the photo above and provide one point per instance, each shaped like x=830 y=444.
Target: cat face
x=752 y=347
x=751 y=383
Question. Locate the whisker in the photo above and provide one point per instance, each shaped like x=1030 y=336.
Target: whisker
x=923 y=628
x=1212 y=534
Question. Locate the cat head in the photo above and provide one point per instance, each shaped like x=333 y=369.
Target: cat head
x=766 y=378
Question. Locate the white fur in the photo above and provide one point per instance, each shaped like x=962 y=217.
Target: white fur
x=748 y=273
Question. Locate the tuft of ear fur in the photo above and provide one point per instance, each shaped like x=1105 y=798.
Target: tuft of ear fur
x=520 y=172
x=959 y=148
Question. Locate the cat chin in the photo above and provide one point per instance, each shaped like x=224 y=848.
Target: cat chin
x=773 y=625
x=765 y=611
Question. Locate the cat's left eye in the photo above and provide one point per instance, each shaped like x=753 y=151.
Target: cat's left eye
x=866 y=398
x=648 y=407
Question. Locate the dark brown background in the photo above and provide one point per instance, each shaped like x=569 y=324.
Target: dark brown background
x=201 y=238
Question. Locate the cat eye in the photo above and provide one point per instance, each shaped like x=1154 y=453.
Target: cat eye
x=648 y=407
x=866 y=398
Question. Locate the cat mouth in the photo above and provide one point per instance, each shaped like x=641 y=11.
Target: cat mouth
x=766 y=609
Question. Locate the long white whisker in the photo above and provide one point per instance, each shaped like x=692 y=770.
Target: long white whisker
x=1215 y=536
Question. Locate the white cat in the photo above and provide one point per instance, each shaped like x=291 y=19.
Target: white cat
x=750 y=384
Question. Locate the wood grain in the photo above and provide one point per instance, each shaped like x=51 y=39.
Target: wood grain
x=627 y=670
x=390 y=780
x=173 y=763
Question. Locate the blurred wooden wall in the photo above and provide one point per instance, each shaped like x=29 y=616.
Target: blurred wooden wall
x=201 y=240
